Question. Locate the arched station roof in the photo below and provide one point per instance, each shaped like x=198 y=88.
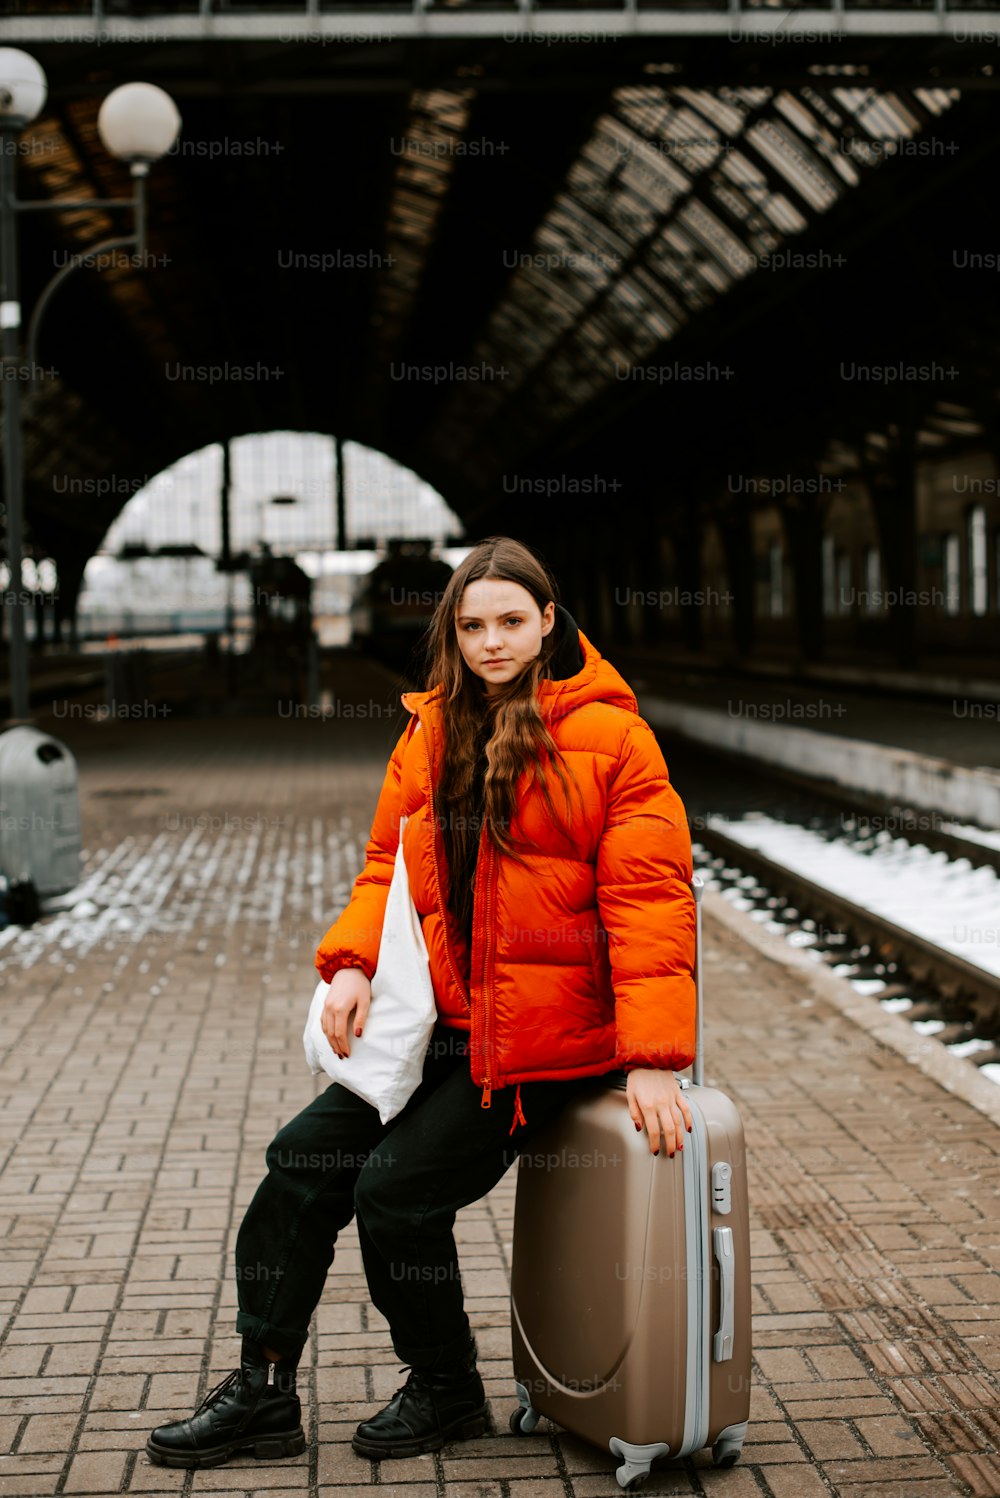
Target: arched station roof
x=472 y=257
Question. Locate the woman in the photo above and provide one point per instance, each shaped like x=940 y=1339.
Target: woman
x=549 y=859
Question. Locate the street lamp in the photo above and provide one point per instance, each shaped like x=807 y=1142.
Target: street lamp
x=137 y=123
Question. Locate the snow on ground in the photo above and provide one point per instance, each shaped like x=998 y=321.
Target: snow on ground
x=198 y=886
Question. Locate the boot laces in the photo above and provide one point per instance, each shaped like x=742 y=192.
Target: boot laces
x=215 y=1394
x=415 y=1378
x=425 y=1378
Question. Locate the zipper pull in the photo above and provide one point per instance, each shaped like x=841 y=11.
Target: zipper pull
x=485 y=1100
x=270 y=1373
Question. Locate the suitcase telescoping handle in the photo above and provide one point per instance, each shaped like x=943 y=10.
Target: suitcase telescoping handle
x=698 y=1070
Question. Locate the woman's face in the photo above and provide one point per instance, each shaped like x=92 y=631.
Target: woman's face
x=500 y=629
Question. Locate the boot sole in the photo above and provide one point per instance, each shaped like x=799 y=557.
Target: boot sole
x=463 y=1430
x=289 y=1443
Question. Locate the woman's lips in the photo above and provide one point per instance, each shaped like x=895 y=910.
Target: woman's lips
x=504 y=662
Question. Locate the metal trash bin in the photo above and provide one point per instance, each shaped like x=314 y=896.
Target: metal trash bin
x=39 y=811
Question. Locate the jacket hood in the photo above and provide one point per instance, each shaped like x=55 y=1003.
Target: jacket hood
x=567 y=657
x=580 y=675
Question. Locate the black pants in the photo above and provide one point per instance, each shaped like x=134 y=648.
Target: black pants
x=406 y=1179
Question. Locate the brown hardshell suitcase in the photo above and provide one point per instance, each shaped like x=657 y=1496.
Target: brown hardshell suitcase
x=630 y=1284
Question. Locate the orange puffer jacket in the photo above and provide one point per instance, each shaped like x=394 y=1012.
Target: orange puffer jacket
x=581 y=961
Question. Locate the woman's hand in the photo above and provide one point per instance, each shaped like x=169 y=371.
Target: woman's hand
x=654 y=1098
x=350 y=990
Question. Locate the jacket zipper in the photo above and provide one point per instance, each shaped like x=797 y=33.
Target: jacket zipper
x=435 y=831
x=486 y=847
x=491 y=866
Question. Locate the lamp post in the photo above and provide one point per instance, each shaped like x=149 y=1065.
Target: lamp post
x=137 y=123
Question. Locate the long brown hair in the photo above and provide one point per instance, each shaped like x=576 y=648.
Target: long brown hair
x=508 y=722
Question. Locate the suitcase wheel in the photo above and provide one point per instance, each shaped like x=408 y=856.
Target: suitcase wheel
x=637 y=1460
x=726 y=1453
x=522 y=1421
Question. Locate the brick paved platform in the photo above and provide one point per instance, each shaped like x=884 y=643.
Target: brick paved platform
x=154 y=1046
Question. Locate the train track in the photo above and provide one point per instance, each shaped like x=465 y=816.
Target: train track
x=876 y=811
x=945 y=994
x=971 y=995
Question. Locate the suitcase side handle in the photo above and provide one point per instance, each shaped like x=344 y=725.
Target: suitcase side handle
x=722 y=1242
x=698 y=1069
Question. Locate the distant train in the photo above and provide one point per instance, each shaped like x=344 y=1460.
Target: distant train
x=396 y=603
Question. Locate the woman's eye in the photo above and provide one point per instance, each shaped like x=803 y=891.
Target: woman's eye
x=514 y=619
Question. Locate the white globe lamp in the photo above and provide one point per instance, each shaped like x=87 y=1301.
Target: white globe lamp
x=22 y=88
x=138 y=123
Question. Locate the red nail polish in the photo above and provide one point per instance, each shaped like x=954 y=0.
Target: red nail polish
x=638 y=1127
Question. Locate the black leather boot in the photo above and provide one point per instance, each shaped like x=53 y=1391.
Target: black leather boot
x=254 y=1408
x=433 y=1407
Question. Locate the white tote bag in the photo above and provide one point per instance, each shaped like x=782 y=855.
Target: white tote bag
x=387 y=1060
